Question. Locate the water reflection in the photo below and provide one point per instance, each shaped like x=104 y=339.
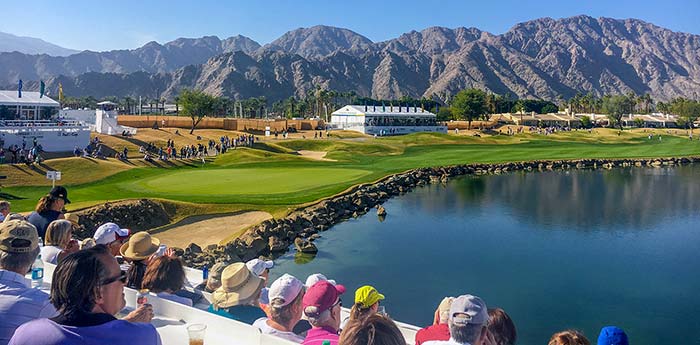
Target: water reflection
x=583 y=200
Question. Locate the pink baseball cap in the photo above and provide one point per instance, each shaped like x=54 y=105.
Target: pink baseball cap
x=320 y=297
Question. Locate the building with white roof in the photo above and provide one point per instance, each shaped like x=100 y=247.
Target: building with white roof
x=385 y=120
x=30 y=106
x=33 y=120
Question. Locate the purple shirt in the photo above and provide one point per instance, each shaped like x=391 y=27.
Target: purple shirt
x=115 y=332
x=317 y=335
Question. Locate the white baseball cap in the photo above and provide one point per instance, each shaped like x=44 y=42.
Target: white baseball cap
x=317 y=277
x=110 y=232
x=286 y=288
x=258 y=266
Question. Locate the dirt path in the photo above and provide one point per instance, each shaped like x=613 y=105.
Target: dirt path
x=315 y=155
x=209 y=231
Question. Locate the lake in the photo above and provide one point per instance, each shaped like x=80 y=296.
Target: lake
x=567 y=249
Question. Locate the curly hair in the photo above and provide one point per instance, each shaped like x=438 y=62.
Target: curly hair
x=569 y=337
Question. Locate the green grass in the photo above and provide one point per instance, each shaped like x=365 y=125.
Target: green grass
x=272 y=175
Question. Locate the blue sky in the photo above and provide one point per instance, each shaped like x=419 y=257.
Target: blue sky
x=127 y=24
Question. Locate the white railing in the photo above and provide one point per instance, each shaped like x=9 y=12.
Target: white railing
x=40 y=123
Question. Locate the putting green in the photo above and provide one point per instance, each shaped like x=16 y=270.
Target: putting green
x=246 y=180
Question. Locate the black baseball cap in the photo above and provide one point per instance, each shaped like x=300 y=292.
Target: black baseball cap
x=60 y=192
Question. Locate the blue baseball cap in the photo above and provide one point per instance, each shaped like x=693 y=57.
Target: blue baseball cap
x=611 y=335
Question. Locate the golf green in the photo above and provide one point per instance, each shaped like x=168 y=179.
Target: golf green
x=245 y=181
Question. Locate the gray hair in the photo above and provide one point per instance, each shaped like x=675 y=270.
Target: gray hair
x=318 y=320
x=465 y=334
x=285 y=314
x=18 y=262
x=4 y=205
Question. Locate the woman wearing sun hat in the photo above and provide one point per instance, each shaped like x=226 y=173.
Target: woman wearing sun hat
x=138 y=250
x=238 y=296
x=366 y=303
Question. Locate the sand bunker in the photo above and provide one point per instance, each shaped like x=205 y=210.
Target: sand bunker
x=209 y=231
x=315 y=155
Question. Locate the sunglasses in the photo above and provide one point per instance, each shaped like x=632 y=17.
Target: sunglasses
x=340 y=302
x=121 y=277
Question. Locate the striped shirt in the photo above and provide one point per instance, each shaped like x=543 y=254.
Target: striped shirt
x=19 y=304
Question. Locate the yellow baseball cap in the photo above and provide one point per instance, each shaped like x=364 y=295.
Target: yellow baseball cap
x=366 y=296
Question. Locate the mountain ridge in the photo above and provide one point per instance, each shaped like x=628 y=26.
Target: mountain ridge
x=541 y=58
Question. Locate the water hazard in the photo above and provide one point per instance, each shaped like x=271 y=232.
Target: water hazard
x=556 y=250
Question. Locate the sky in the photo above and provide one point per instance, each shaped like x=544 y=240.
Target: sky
x=126 y=24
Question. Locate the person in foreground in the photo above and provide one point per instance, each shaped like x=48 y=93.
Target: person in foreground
x=568 y=337
x=367 y=300
x=19 y=303
x=237 y=297
x=611 y=335
x=375 y=329
x=48 y=209
x=164 y=277
x=57 y=241
x=502 y=328
x=439 y=330
x=87 y=289
x=285 y=295
x=467 y=321
x=322 y=308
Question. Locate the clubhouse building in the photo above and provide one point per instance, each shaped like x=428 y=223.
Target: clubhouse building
x=385 y=120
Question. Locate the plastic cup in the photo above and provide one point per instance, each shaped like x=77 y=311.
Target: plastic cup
x=196 y=333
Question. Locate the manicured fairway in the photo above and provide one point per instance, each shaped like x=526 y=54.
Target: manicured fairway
x=270 y=180
x=272 y=175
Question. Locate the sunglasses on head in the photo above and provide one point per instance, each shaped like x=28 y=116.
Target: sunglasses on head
x=121 y=277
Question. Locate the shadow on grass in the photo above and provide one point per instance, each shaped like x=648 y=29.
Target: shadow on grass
x=7 y=196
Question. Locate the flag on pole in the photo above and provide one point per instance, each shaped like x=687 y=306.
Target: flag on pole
x=60 y=92
x=42 y=88
x=19 y=89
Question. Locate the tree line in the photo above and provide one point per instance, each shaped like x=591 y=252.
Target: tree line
x=469 y=104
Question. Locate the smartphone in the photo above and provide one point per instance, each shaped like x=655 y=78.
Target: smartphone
x=161 y=250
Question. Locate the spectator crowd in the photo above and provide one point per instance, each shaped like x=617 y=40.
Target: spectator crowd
x=87 y=291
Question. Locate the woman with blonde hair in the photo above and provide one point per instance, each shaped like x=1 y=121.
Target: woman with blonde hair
x=569 y=337
x=58 y=242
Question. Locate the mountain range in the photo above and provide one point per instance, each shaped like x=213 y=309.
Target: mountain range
x=543 y=58
x=31 y=45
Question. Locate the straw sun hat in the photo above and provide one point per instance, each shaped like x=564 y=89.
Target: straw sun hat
x=238 y=286
x=140 y=246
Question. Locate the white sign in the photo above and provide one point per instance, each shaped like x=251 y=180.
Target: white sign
x=53 y=175
x=267 y=131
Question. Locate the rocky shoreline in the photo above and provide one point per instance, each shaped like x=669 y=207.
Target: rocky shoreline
x=300 y=228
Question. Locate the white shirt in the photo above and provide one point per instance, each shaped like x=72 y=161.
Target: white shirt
x=444 y=342
x=50 y=254
x=261 y=323
x=19 y=304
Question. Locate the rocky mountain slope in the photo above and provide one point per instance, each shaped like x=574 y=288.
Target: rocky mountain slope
x=543 y=58
x=31 y=45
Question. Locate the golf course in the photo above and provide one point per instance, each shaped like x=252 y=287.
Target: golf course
x=274 y=177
